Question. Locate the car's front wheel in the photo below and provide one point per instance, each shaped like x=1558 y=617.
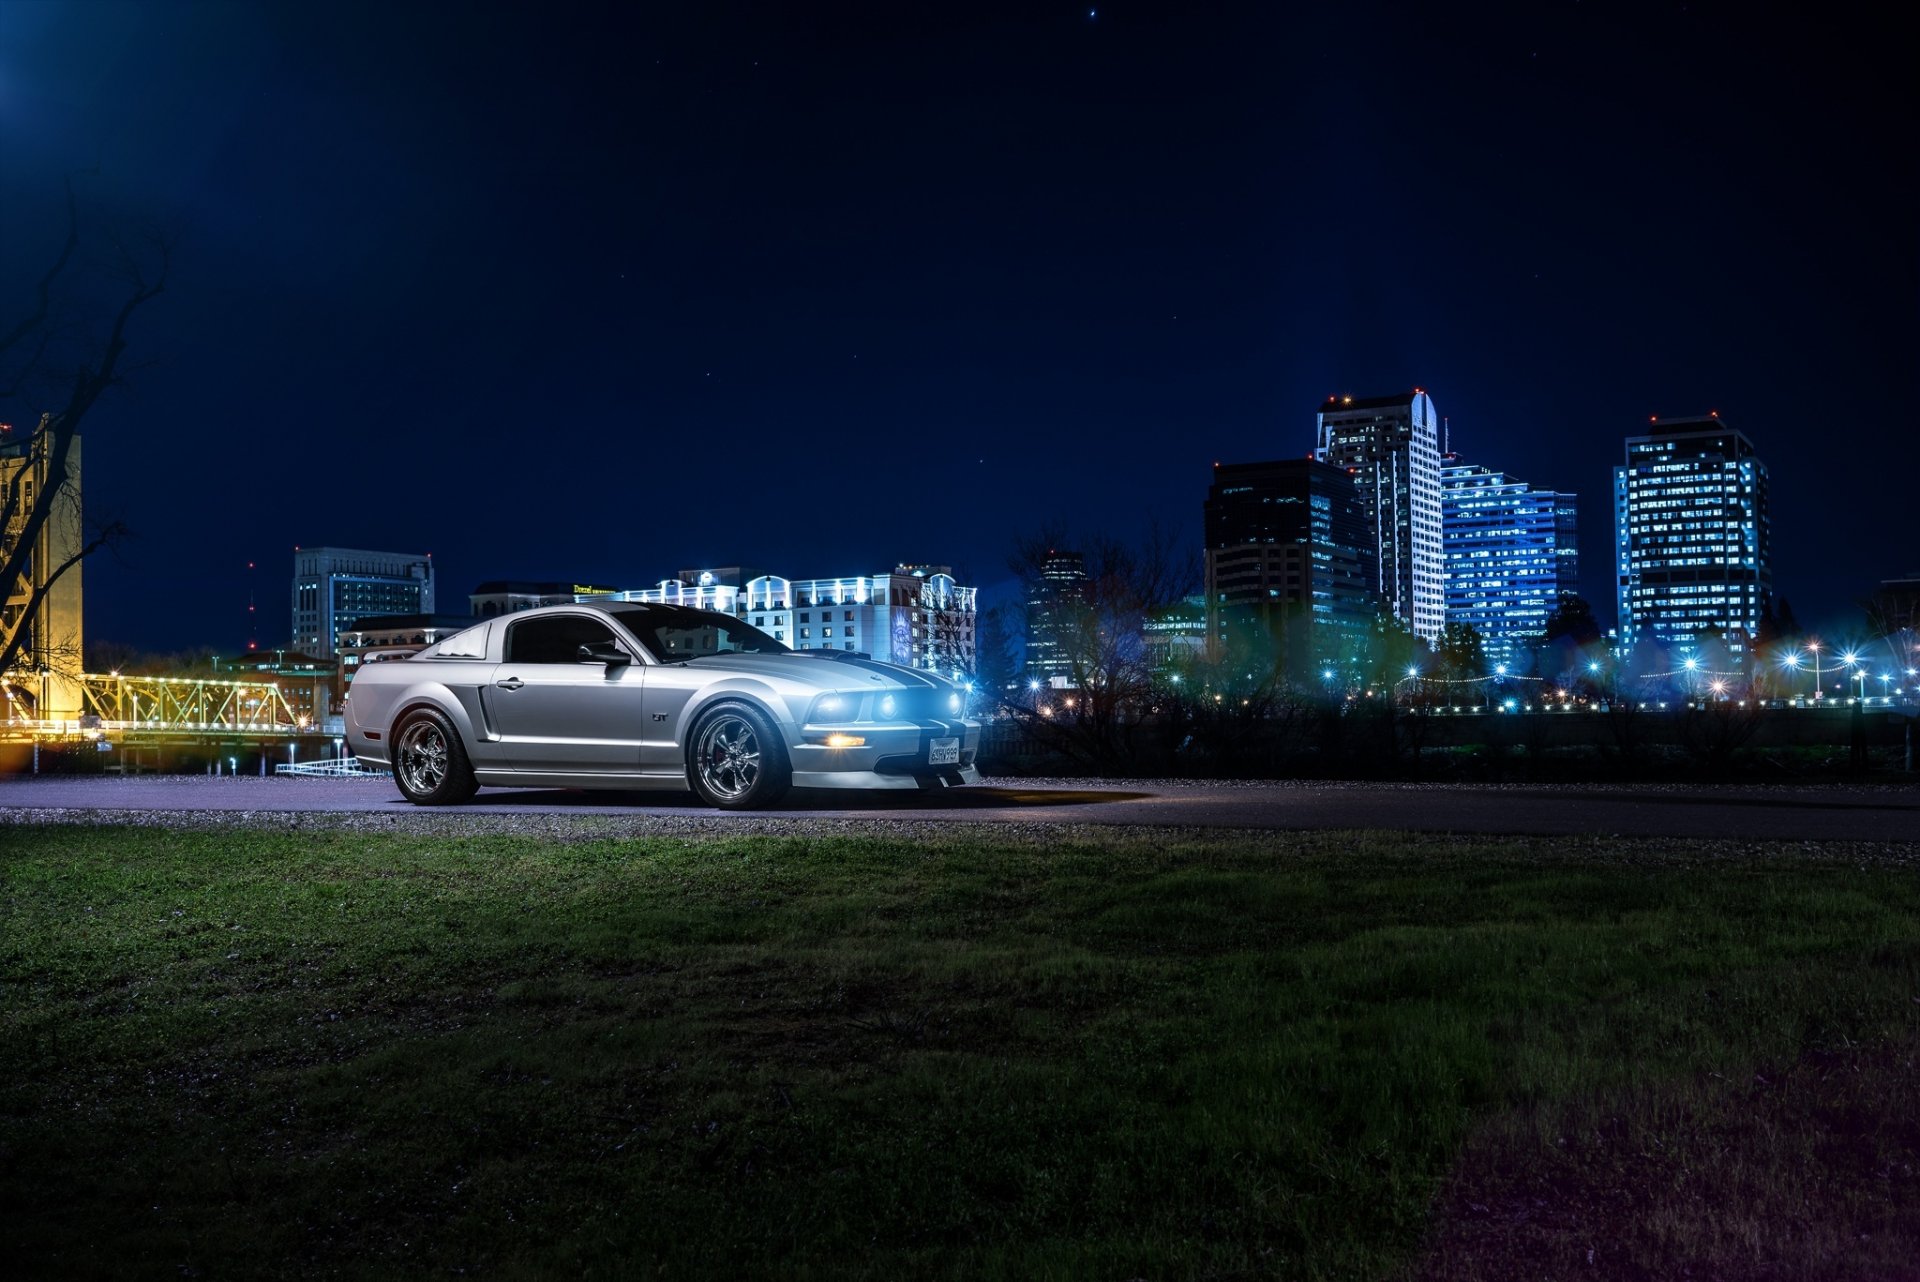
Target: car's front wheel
x=735 y=759
x=429 y=762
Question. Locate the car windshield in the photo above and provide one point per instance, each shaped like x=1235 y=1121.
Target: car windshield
x=672 y=633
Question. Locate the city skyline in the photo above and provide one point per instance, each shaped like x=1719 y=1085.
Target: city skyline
x=1047 y=264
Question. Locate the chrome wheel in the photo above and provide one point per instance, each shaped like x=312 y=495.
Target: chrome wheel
x=420 y=758
x=728 y=756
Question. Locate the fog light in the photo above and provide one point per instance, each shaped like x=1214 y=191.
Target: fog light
x=846 y=741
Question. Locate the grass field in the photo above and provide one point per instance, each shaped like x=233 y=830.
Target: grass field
x=242 y=1053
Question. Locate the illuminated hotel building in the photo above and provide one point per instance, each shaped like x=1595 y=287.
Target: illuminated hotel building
x=1510 y=554
x=917 y=616
x=1290 y=553
x=334 y=588
x=1691 y=539
x=1390 y=446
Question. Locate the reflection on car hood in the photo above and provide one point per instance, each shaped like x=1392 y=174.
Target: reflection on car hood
x=820 y=673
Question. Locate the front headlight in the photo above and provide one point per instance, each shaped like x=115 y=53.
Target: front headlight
x=829 y=708
x=956 y=703
x=889 y=706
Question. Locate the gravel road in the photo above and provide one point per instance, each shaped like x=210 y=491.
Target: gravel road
x=1827 y=813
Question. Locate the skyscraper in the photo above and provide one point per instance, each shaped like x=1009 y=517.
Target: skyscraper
x=1691 y=538
x=1054 y=601
x=334 y=588
x=1510 y=554
x=1390 y=447
x=1290 y=551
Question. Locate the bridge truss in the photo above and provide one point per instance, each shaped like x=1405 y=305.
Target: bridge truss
x=156 y=705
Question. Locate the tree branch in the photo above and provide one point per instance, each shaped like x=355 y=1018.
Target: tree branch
x=88 y=386
x=108 y=534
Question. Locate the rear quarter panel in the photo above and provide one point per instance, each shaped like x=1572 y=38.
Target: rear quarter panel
x=383 y=692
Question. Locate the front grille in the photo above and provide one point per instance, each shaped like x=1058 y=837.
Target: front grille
x=916 y=705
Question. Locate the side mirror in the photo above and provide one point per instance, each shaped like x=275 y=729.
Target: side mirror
x=603 y=652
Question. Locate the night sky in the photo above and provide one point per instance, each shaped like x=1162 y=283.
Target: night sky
x=572 y=292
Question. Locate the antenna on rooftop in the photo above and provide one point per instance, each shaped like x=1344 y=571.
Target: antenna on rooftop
x=253 y=617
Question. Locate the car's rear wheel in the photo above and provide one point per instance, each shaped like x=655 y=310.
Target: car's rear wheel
x=429 y=762
x=735 y=759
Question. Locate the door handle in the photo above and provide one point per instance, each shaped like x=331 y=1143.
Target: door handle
x=511 y=683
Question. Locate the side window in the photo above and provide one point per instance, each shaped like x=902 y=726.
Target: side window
x=556 y=639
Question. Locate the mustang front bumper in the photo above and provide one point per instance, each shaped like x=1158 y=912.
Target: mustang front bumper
x=922 y=754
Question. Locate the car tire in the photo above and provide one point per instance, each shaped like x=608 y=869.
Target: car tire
x=430 y=762
x=736 y=760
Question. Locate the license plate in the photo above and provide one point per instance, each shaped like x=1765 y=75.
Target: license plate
x=943 y=752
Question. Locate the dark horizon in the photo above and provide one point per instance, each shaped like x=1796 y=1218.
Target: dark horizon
x=602 y=294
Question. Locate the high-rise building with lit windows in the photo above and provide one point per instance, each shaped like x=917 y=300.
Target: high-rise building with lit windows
x=1290 y=554
x=1510 y=553
x=1055 y=598
x=1390 y=447
x=1692 y=546
x=334 y=588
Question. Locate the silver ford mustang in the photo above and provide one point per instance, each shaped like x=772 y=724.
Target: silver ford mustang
x=623 y=695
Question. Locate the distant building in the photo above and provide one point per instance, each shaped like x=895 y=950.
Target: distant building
x=310 y=684
x=335 y=588
x=49 y=660
x=1290 y=552
x=398 y=634
x=1692 y=543
x=916 y=616
x=1177 y=633
x=1390 y=447
x=1510 y=552
x=1054 y=601
x=510 y=596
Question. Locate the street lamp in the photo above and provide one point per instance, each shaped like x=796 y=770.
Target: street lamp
x=1859 y=672
x=1792 y=661
x=1815 y=647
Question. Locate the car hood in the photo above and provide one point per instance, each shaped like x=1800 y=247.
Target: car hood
x=821 y=673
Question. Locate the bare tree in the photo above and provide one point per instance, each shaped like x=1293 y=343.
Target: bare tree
x=1098 y=631
x=45 y=358
x=1893 y=616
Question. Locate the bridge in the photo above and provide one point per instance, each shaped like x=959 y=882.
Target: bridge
x=138 y=708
